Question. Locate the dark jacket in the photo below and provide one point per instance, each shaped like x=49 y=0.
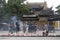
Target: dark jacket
x=17 y=26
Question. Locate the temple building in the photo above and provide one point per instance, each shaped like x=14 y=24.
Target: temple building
x=40 y=14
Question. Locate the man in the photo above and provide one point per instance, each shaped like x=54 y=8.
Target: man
x=17 y=27
x=14 y=20
x=30 y=27
x=51 y=28
x=21 y=25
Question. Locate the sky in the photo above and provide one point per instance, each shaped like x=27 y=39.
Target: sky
x=50 y=3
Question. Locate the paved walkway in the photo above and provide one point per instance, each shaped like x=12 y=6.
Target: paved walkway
x=38 y=33
x=29 y=38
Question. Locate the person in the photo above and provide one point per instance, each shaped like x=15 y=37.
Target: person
x=46 y=30
x=35 y=27
x=51 y=28
x=30 y=28
x=43 y=27
x=26 y=26
x=17 y=27
x=14 y=19
x=11 y=28
x=21 y=25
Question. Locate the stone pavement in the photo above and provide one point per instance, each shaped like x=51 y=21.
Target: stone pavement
x=29 y=38
x=22 y=34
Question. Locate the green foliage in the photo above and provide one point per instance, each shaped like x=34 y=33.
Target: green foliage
x=15 y=7
x=58 y=7
x=2 y=8
x=58 y=10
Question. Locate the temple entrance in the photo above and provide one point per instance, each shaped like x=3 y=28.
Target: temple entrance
x=43 y=21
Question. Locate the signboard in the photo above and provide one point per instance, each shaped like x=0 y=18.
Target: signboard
x=29 y=15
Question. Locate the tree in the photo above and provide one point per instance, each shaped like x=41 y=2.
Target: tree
x=58 y=9
x=2 y=9
x=17 y=7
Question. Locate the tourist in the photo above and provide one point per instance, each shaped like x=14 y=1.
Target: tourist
x=17 y=27
x=21 y=25
x=26 y=27
x=11 y=28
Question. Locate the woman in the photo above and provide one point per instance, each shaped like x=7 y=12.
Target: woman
x=26 y=26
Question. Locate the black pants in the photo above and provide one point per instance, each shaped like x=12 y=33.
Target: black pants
x=17 y=29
